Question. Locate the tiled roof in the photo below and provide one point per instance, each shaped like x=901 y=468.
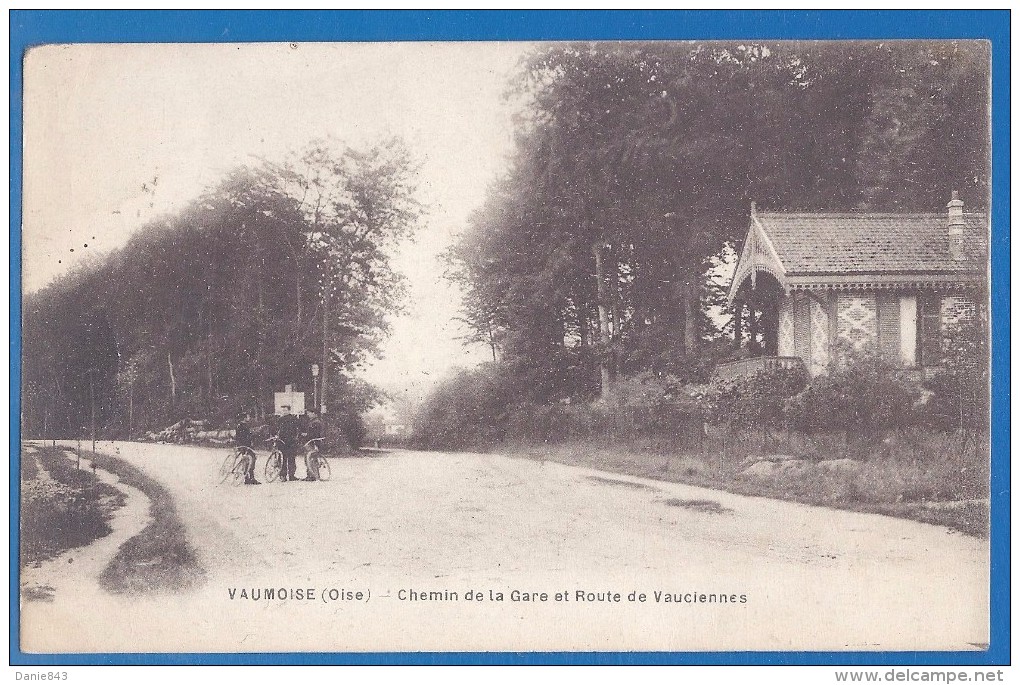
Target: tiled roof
x=874 y=243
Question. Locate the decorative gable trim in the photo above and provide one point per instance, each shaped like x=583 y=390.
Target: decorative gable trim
x=758 y=255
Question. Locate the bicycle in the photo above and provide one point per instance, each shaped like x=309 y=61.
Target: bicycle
x=232 y=469
x=312 y=453
x=274 y=464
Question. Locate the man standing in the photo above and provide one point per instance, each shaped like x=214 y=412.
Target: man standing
x=290 y=436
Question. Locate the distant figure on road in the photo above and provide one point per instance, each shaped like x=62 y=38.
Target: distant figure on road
x=243 y=439
x=289 y=430
x=312 y=431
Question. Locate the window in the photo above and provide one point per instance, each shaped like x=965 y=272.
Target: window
x=888 y=309
x=929 y=329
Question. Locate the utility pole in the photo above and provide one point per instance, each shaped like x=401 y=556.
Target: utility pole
x=325 y=351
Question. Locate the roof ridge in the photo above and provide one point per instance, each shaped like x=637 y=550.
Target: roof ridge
x=877 y=215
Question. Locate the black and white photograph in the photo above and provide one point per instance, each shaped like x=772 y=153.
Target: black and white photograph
x=619 y=346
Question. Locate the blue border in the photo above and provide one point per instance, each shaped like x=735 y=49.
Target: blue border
x=32 y=27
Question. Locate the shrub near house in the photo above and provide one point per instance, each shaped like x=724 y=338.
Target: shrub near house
x=860 y=395
x=758 y=399
x=960 y=390
x=885 y=436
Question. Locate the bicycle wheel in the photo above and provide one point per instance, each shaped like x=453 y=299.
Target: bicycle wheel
x=274 y=466
x=324 y=473
x=237 y=474
x=227 y=469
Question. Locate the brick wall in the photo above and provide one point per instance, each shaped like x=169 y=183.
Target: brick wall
x=856 y=320
x=819 y=337
x=957 y=309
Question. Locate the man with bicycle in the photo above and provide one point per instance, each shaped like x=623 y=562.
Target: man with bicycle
x=243 y=439
x=312 y=436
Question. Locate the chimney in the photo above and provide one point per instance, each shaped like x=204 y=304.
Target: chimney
x=956 y=239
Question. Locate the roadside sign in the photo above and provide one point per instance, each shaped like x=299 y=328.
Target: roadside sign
x=289 y=402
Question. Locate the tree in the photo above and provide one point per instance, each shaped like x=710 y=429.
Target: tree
x=208 y=311
x=600 y=236
x=926 y=130
x=358 y=205
x=635 y=165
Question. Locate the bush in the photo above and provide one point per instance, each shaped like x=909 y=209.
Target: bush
x=56 y=517
x=469 y=409
x=757 y=400
x=544 y=423
x=480 y=408
x=348 y=426
x=858 y=394
x=960 y=393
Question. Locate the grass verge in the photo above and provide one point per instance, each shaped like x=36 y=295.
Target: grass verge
x=62 y=507
x=159 y=558
x=920 y=475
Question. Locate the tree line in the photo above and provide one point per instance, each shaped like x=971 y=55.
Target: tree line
x=208 y=311
x=633 y=171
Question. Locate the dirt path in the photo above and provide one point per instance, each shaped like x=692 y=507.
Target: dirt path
x=71 y=580
x=814 y=579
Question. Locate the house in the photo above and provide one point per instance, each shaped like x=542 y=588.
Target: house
x=807 y=285
x=387 y=423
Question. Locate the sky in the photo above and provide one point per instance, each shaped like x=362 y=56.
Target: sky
x=118 y=134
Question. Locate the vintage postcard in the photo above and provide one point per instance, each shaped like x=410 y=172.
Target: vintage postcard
x=581 y=346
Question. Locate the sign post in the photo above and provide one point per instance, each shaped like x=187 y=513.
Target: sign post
x=289 y=401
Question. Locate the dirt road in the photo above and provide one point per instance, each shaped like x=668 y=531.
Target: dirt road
x=414 y=532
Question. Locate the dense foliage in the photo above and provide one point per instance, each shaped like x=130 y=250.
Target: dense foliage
x=468 y=409
x=859 y=398
x=859 y=395
x=634 y=168
x=960 y=398
x=209 y=311
x=760 y=399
